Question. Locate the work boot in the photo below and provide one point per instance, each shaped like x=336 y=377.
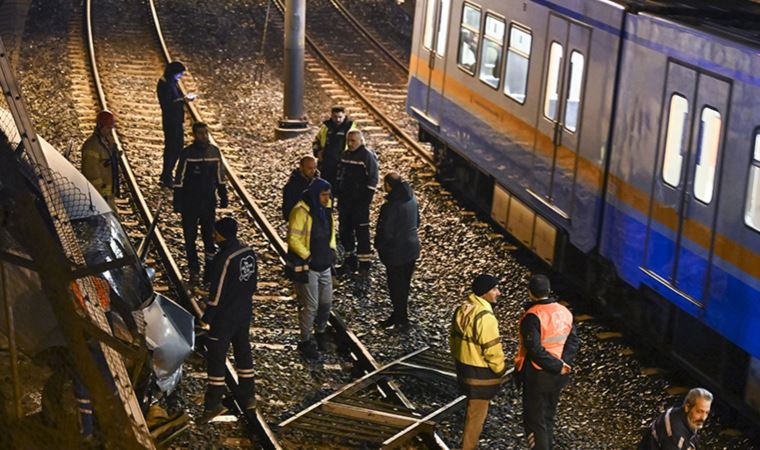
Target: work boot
x=322 y=341
x=403 y=326
x=309 y=350
x=387 y=323
x=210 y=414
x=194 y=279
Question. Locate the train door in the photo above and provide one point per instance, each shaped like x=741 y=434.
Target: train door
x=559 y=114
x=682 y=220
x=437 y=14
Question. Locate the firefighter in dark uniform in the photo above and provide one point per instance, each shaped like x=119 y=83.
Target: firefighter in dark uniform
x=172 y=117
x=330 y=143
x=548 y=345
x=357 y=182
x=199 y=177
x=676 y=428
x=475 y=344
x=228 y=317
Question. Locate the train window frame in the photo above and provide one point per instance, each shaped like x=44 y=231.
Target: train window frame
x=571 y=88
x=443 y=27
x=493 y=40
x=667 y=145
x=753 y=181
x=428 y=37
x=509 y=50
x=712 y=138
x=435 y=34
x=557 y=78
x=475 y=32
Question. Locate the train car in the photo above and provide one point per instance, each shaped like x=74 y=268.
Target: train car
x=613 y=137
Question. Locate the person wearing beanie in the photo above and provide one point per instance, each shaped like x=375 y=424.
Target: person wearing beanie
x=475 y=344
x=228 y=314
x=547 y=349
x=398 y=245
x=199 y=179
x=311 y=255
x=172 y=117
x=100 y=158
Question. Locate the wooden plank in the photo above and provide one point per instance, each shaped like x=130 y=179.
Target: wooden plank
x=369 y=415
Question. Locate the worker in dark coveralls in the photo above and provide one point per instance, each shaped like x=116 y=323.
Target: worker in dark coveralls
x=676 y=428
x=311 y=254
x=398 y=245
x=548 y=345
x=299 y=180
x=198 y=179
x=357 y=183
x=475 y=344
x=100 y=159
x=172 y=117
x=330 y=142
x=228 y=317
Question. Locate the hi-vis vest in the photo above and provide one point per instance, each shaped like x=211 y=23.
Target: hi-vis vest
x=556 y=325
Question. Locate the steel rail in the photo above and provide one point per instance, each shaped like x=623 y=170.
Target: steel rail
x=256 y=425
x=387 y=121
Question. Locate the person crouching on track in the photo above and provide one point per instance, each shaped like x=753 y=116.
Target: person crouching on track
x=476 y=347
x=311 y=253
x=228 y=315
x=199 y=174
x=398 y=245
x=548 y=345
x=357 y=183
x=100 y=159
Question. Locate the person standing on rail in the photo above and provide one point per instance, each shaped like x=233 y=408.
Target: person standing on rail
x=475 y=344
x=100 y=158
x=172 y=117
x=311 y=254
x=677 y=428
x=357 y=183
x=398 y=245
x=199 y=175
x=299 y=180
x=229 y=310
x=548 y=345
x=330 y=142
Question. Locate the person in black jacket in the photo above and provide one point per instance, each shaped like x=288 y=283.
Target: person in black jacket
x=676 y=428
x=228 y=317
x=548 y=345
x=357 y=183
x=199 y=175
x=398 y=245
x=298 y=183
x=330 y=143
x=172 y=117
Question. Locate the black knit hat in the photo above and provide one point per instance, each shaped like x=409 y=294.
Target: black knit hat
x=174 y=68
x=483 y=283
x=539 y=286
x=227 y=227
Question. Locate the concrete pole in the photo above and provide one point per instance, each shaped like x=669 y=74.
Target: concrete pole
x=293 y=121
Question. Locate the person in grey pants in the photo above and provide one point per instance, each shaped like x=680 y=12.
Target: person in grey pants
x=311 y=254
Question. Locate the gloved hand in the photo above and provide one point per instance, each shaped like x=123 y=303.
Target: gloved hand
x=223 y=202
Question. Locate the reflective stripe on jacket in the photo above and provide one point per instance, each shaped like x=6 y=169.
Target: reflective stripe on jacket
x=299 y=235
x=100 y=166
x=556 y=325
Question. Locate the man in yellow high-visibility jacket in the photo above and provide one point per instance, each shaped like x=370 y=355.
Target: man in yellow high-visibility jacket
x=476 y=347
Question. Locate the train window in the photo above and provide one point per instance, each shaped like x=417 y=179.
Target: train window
x=572 y=104
x=490 y=59
x=552 y=81
x=518 y=59
x=429 y=24
x=707 y=154
x=752 y=209
x=443 y=25
x=671 y=167
x=469 y=33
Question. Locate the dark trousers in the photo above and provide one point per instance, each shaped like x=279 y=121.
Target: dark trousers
x=354 y=232
x=190 y=221
x=539 y=408
x=217 y=343
x=399 y=279
x=174 y=141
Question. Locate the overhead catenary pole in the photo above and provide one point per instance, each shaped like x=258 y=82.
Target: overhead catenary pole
x=294 y=120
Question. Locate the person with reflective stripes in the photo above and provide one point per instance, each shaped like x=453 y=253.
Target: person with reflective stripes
x=475 y=344
x=229 y=310
x=330 y=142
x=548 y=345
x=100 y=159
x=357 y=182
x=198 y=180
x=676 y=428
x=311 y=254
